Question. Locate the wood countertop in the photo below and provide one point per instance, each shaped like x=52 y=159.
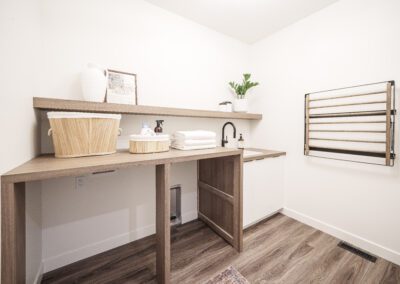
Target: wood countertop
x=265 y=153
x=47 y=166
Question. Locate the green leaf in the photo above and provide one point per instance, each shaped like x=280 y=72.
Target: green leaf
x=244 y=87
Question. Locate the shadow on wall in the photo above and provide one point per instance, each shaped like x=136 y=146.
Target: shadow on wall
x=132 y=191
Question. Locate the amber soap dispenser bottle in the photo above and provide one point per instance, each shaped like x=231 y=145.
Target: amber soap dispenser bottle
x=158 y=129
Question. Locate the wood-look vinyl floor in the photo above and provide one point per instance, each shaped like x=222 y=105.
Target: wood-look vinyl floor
x=278 y=250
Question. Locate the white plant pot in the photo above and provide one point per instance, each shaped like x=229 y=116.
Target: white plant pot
x=94 y=83
x=240 y=105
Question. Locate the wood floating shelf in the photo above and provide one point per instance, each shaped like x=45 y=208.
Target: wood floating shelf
x=84 y=106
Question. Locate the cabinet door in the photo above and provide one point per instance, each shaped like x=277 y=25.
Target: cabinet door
x=262 y=189
x=220 y=196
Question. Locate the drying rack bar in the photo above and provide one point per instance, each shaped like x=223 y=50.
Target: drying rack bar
x=356 y=86
x=352 y=152
x=350 y=104
x=349 y=96
x=349 y=131
x=350 y=140
x=349 y=122
x=352 y=114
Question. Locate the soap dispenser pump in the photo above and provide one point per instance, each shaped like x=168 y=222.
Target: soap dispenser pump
x=158 y=128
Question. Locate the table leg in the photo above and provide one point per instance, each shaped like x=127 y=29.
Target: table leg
x=13 y=233
x=163 y=229
x=238 y=202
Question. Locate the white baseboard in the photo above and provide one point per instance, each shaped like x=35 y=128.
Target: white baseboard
x=104 y=245
x=263 y=218
x=353 y=239
x=72 y=256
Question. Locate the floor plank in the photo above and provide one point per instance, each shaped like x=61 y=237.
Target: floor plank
x=278 y=250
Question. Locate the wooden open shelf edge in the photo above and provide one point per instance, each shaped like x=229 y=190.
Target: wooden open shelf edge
x=84 y=106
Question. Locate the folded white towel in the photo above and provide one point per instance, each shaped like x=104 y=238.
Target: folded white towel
x=195 y=134
x=192 y=142
x=199 y=147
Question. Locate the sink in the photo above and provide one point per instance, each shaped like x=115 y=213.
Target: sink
x=249 y=153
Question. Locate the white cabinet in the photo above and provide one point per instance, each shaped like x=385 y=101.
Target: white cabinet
x=262 y=189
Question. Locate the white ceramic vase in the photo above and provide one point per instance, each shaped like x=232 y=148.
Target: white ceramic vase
x=94 y=83
x=240 y=105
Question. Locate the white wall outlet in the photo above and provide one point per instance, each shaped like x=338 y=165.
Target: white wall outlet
x=80 y=183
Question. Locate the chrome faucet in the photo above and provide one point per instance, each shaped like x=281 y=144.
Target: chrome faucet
x=224 y=141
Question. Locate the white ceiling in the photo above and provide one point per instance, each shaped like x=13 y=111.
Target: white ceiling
x=246 y=20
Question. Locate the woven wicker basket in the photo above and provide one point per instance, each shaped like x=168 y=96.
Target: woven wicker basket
x=141 y=144
x=83 y=134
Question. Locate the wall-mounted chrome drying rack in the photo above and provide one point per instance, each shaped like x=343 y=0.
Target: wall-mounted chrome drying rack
x=354 y=123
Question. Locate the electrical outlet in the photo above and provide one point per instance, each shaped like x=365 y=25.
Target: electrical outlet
x=80 y=183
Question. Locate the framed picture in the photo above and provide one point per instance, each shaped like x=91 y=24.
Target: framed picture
x=121 y=88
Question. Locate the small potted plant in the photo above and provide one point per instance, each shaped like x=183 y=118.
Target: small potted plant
x=240 y=102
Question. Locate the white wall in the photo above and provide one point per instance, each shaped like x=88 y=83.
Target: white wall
x=19 y=50
x=350 y=42
x=179 y=63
